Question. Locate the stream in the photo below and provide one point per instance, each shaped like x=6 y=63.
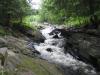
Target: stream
x=52 y=50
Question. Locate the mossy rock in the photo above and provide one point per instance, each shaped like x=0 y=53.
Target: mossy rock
x=36 y=66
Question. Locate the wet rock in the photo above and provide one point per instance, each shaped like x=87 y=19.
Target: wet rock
x=36 y=52
x=63 y=32
x=38 y=37
x=30 y=33
x=84 y=47
x=55 y=36
x=49 y=50
x=95 y=63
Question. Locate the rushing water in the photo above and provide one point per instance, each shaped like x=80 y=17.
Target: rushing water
x=53 y=51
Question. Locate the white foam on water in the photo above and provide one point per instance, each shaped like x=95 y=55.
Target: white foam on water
x=57 y=54
x=56 y=42
x=46 y=31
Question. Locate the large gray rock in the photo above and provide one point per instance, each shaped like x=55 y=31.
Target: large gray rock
x=19 y=59
x=9 y=60
x=85 y=46
x=2 y=42
x=38 y=37
x=3 y=56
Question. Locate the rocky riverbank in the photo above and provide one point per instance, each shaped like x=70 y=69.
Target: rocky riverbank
x=83 y=44
x=17 y=58
x=21 y=57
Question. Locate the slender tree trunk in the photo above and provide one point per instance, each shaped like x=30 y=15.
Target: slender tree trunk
x=7 y=20
x=91 y=6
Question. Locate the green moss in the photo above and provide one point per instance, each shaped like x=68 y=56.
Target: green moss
x=38 y=66
x=5 y=72
x=33 y=66
x=4 y=31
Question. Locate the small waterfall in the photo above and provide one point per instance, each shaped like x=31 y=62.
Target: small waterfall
x=53 y=50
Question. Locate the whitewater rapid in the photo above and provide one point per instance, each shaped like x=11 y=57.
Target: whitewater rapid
x=53 y=50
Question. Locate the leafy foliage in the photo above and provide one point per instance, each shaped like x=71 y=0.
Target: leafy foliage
x=62 y=11
x=12 y=9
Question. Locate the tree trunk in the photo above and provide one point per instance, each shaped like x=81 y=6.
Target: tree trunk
x=7 y=20
x=91 y=7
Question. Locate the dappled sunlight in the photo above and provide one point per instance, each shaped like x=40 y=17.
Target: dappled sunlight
x=35 y=4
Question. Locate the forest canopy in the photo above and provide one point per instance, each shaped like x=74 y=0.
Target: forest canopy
x=67 y=12
x=13 y=10
x=62 y=11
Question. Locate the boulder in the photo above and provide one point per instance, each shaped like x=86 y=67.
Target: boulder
x=3 y=56
x=49 y=50
x=9 y=59
x=20 y=61
x=56 y=31
x=38 y=37
x=84 y=47
x=2 y=42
